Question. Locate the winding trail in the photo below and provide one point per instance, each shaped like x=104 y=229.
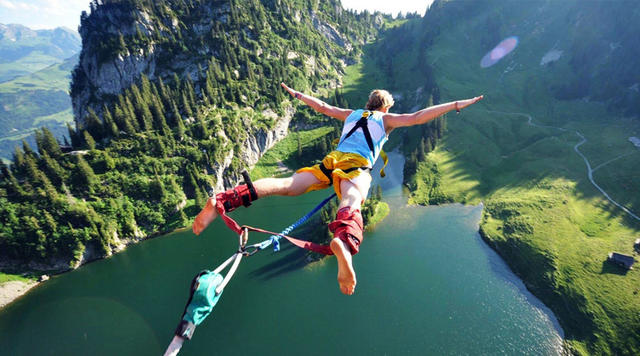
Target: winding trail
x=611 y=160
x=586 y=161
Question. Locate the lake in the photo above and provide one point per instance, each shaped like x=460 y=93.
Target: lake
x=427 y=285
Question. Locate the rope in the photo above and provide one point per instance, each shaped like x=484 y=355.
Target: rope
x=275 y=239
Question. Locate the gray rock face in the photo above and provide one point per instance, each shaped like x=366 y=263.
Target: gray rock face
x=254 y=147
x=109 y=78
x=330 y=32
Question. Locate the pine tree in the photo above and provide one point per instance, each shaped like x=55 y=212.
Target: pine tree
x=36 y=177
x=186 y=106
x=14 y=188
x=50 y=144
x=191 y=95
x=158 y=190
x=93 y=124
x=122 y=46
x=88 y=140
x=183 y=220
x=109 y=162
x=164 y=93
x=179 y=124
x=53 y=169
x=160 y=122
x=141 y=107
x=155 y=95
x=109 y=124
x=130 y=112
x=83 y=176
x=146 y=88
x=18 y=161
x=75 y=142
x=28 y=151
x=123 y=120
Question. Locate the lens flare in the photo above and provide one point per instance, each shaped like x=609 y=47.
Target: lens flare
x=498 y=52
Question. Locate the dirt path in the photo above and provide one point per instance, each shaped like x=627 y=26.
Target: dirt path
x=586 y=161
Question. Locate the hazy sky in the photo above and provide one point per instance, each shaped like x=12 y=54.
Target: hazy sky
x=39 y=14
x=388 y=6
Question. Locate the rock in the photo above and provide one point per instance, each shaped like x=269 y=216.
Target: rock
x=43 y=278
x=329 y=32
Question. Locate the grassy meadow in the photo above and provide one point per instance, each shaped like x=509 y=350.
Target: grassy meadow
x=32 y=101
x=542 y=214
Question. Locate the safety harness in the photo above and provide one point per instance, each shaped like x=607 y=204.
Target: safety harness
x=233 y=198
x=362 y=124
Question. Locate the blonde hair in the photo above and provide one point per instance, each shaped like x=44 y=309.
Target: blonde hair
x=378 y=99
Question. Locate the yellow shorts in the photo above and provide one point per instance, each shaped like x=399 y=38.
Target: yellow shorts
x=338 y=162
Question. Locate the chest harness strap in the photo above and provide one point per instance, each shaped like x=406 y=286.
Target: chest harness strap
x=361 y=124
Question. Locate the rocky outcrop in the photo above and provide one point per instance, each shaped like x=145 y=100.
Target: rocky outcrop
x=256 y=145
x=330 y=32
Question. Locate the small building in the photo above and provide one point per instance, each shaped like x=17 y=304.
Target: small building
x=622 y=260
x=636 y=245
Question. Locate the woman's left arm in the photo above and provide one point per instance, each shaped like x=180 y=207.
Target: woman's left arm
x=391 y=121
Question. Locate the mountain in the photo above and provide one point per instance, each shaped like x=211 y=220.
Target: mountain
x=36 y=100
x=24 y=51
x=547 y=151
x=169 y=98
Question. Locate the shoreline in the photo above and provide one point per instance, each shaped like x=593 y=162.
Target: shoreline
x=12 y=290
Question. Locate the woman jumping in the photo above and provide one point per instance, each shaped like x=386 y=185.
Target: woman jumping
x=347 y=168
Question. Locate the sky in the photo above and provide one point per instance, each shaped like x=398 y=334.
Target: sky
x=44 y=14
x=388 y=6
x=41 y=14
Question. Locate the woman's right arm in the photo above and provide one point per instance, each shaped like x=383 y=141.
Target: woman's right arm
x=319 y=105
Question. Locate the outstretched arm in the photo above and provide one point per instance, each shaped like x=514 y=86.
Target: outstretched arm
x=319 y=105
x=391 y=121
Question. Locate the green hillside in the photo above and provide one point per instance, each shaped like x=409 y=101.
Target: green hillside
x=24 y=51
x=40 y=99
x=143 y=158
x=542 y=214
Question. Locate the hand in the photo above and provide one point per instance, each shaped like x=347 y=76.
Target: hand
x=461 y=104
x=291 y=91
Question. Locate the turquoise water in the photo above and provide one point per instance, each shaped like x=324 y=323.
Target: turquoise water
x=427 y=285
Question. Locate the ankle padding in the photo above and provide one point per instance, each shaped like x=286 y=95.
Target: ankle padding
x=233 y=198
x=348 y=227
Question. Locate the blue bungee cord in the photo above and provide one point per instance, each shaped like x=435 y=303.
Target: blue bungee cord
x=275 y=239
x=207 y=286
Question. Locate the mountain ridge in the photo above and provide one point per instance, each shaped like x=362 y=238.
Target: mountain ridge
x=24 y=51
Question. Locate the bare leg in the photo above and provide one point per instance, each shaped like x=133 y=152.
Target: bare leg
x=352 y=196
x=292 y=186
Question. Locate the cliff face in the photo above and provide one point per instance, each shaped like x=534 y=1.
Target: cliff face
x=232 y=55
x=170 y=98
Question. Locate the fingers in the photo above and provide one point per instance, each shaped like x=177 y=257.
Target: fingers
x=289 y=90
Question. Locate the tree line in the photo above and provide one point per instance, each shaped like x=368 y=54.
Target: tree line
x=140 y=162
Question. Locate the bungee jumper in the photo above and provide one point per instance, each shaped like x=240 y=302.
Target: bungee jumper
x=347 y=168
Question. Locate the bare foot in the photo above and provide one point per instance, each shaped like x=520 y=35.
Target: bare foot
x=205 y=217
x=346 y=274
